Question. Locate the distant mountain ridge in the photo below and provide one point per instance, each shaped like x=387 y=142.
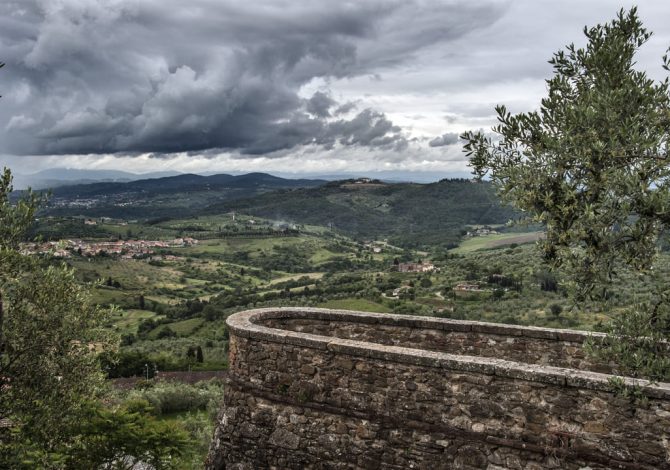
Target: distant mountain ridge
x=188 y=182
x=183 y=195
x=56 y=177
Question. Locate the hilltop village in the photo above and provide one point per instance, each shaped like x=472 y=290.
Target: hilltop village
x=125 y=249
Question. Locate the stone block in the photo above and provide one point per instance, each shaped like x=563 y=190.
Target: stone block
x=284 y=439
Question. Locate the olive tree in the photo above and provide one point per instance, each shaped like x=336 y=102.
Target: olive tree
x=591 y=165
x=52 y=411
x=50 y=337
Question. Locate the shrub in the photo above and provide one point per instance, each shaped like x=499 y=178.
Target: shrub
x=169 y=397
x=556 y=309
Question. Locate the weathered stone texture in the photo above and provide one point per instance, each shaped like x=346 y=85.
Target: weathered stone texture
x=498 y=342
x=306 y=392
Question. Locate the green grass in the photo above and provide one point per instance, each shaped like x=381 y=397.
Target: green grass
x=187 y=327
x=182 y=328
x=107 y=296
x=133 y=275
x=362 y=305
x=127 y=320
x=323 y=255
x=251 y=245
x=497 y=240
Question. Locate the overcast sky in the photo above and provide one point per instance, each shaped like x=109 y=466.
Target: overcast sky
x=277 y=86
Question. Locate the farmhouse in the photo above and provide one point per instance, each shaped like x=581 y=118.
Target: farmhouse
x=398 y=290
x=422 y=267
x=468 y=287
x=482 y=232
x=373 y=247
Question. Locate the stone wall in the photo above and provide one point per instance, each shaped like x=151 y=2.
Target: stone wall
x=313 y=388
x=560 y=348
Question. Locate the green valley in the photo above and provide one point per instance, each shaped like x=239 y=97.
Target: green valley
x=171 y=283
x=438 y=250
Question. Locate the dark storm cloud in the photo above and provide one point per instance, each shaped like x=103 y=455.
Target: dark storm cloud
x=450 y=138
x=320 y=103
x=368 y=128
x=93 y=76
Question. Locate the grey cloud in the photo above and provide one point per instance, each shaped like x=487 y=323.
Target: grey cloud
x=172 y=76
x=346 y=108
x=319 y=104
x=368 y=128
x=450 y=138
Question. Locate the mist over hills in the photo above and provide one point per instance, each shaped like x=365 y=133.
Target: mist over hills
x=391 y=176
x=55 y=177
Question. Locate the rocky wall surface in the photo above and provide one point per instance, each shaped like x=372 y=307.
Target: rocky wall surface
x=531 y=346
x=298 y=399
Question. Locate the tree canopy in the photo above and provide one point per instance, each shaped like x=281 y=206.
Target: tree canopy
x=51 y=383
x=50 y=337
x=591 y=164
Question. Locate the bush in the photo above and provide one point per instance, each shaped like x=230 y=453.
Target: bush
x=556 y=309
x=426 y=282
x=166 y=332
x=133 y=363
x=169 y=397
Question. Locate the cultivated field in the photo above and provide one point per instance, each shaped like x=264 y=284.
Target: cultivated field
x=497 y=240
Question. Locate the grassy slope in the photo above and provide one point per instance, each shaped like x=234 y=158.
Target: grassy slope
x=126 y=321
x=497 y=240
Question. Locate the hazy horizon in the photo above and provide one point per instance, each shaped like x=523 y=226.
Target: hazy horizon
x=68 y=176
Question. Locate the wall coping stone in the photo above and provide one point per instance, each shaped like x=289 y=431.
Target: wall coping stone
x=248 y=324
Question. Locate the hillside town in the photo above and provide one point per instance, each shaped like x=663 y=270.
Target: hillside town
x=125 y=249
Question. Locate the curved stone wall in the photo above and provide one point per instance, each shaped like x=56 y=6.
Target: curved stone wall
x=315 y=388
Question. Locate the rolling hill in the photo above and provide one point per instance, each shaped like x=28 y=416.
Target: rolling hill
x=408 y=214
x=173 y=196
